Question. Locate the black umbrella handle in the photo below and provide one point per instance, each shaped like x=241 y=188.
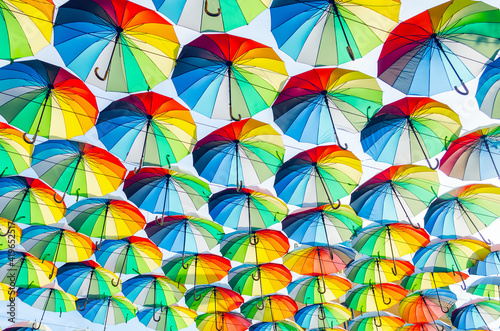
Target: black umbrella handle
x=209 y=13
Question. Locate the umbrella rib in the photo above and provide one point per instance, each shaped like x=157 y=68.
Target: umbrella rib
x=464 y=212
x=337 y=14
x=489 y=153
x=402 y=206
x=143 y=154
x=70 y=181
x=437 y=292
x=118 y=34
x=325 y=96
x=12 y=224
x=322 y=180
x=47 y=96
x=457 y=265
x=414 y=131
x=477 y=309
x=395 y=269
x=98 y=247
x=440 y=47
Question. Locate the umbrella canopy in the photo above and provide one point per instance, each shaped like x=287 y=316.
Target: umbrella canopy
x=173 y=317
x=240 y=153
x=222 y=322
x=486 y=287
x=376 y=321
x=476 y=314
x=314 y=104
x=431 y=52
x=27 y=326
x=487 y=94
x=228 y=77
x=15 y=152
x=322 y=32
x=25 y=270
x=322 y=315
x=269 y=308
x=375 y=270
x=113 y=310
x=434 y=326
x=283 y=325
x=318 y=289
x=196 y=268
x=489 y=266
x=261 y=279
x=132 y=48
x=212 y=299
x=374 y=297
x=153 y=290
x=147 y=129
x=428 y=280
x=427 y=305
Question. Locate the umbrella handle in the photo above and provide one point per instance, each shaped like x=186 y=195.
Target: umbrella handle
x=96 y=71
x=466 y=90
x=260 y=306
x=159 y=316
x=231 y=113
x=320 y=290
x=216 y=326
x=209 y=13
x=11 y=226
x=321 y=313
x=184 y=267
x=433 y=167
x=113 y=282
x=257 y=275
x=31 y=142
x=337 y=206
x=159 y=221
x=98 y=245
x=62 y=198
x=351 y=53
x=342 y=147
x=34 y=327
x=379 y=319
x=414 y=226
x=194 y=295
x=84 y=306
x=239 y=186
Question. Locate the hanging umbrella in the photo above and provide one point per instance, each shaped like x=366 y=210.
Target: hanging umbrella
x=476 y=314
x=246 y=208
x=486 y=287
x=432 y=52
x=131 y=255
x=10 y=234
x=26 y=27
x=473 y=156
x=318 y=176
x=374 y=297
x=222 y=322
x=239 y=153
x=229 y=77
x=426 y=306
x=318 y=260
x=261 y=279
x=170 y=192
x=322 y=315
x=270 y=308
x=212 y=299
x=488 y=89
x=15 y=153
x=403 y=191
x=27 y=326
x=77 y=168
x=318 y=289
x=48 y=298
x=105 y=218
x=463 y=211
x=376 y=321
x=112 y=310
x=323 y=225
x=429 y=280
x=147 y=129
x=410 y=130
x=375 y=270
x=283 y=325
x=173 y=317
x=209 y=15
x=434 y=326
x=132 y=48
x=322 y=32
x=490 y=265
x=315 y=104
x=46 y=100
x=25 y=270
x=450 y=255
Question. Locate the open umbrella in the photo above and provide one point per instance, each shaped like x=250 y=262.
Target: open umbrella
x=426 y=306
x=10 y=234
x=322 y=315
x=375 y=270
x=487 y=94
x=229 y=77
x=486 y=287
x=490 y=265
x=434 y=326
x=476 y=314
x=381 y=321
x=260 y=279
x=132 y=48
x=15 y=153
x=283 y=325
x=27 y=326
x=223 y=321
x=318 y=289
x=270 y=308
x=315 y=104
x=429 y=280
x=441 y=48
x=173 y=317
x=25 y=270
x=212 y=299
x=374 y=297
x=113 y=310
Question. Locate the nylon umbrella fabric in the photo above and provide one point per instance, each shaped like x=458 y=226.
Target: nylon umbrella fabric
x=212 y=299
x=26 y=326
x=117 y=45
x=434 y=326
x=320 y=32
x=476 y=314
x=375 y=321
x=175 y=317
x=437 y=50
x=222 y=321
x=152 y=290
x=486 y=287
x=427 y=305
x=374 y=297
x=322 y=315
x=429 y=280
x=15 y=153
x=487 y=94
x=228 y=77
x=269 y=308
x=375 y=270
x=25 y=270
x=318 y=289
x=283 y=325
x=253 y=280
x=109 y=310
x=489 y=266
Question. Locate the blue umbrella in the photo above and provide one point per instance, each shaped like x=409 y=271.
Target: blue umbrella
x=488 y=90
x=489 y=266
x=476 y=314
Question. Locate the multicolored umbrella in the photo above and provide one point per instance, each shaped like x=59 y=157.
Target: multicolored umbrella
x=318 y=289
x=27 y=326
x=26 y=27
x=147 y=129
x=318 y=176
x=25 y=270
x=410 y=130
x=487 y=90
x=490 y=265
x=77 y=168
x=322 y=315
x=314 y=104
x=222 y=322
x=381 y=321
x=486 y=287
x=429 y=280
x=261 y=279
x=15 y=152
x=10 y=234
x=322 y=32
x=374 y=297
x=283 y=325
x=212 y=299
x=173 y=317
x=473 y=156
x=240 y=153
x=46 y=100
x=229 y=77
x=113 y=310
x=434 y=326
x=426 y=306
x=375 y=270
x=270 y=308
x=476 y=314
x=143 y=45
x=432 y=52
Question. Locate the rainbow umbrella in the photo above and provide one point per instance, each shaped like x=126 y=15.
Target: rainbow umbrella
x=246 y=208
x=410 y=130
x=428 y=280
x=15 y=153
x=270 y=308
x=248 y=151
x=322 y=315
x=10 y=234
x=212 y=299
x=27 y=326
x=46 y=100
x=323 y=225
x=486 y=287
x=209 y=15
x=430 y=53
x=374 y=297
x=318 y=289
x=173 y=317
x=375 y=270
x=261 y=279
x=222 y=322
x=218 y=72
x=283 y=325
x=476 y=314
x=113 y=310
x=490 y=265
x=434 y=326
x=315 y=104
x=105 y=218
x=147 y=129
x=322 y=32
x=143 y=45
x=7 y=292
x=487 y=90
x=427 y=305
x=25 y=270
x=319 y=260
x=77 y=168
x=318 y=176
x=381 y=321
x=166 y=191
x=473 y=156
x=403 y=191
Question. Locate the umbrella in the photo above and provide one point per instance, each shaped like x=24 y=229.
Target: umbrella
x=488 y=88
x=15 y=153
x=27 y=326
x=403 y=191
x=10 y=234
x=322 y=32
x=270 y=308
x=476 y=314
x=318 y=289
x=25 y=270
x=463 y=211
x=375 y=270
x=46 y=100
x=147 y=129
x=318 y=176
x=473 y=156
x=105 y=218
x=374 y=297
x=318 y=260
x=410 y=130
x=322 y=225
x=166 y=191
x=222 y=322
x=489 y=266
x=229 y=77
x=486 y=287
x=261 y=279
x=132 y=48
x=431 y=52
x=206 y=15
x=212 y=299
x=113 y=310
x=322 y=315
x=314 y=104
x=248 y=151
x=434 y=326
x=426 y=306
x=77 y=168
x=428 y=280
x=246 y=208
x=173 y=317
x=376 y=321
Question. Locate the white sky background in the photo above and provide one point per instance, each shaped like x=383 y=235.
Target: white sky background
x=260 y=30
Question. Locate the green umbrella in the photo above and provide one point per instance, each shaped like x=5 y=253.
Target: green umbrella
x=113 y=310
x=27 y=270
x=318 y=289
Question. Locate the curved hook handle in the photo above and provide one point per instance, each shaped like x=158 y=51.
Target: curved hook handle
x=466 y=90
x=321 y=290
x=84 y=306
x=183 y=266
x=255 y=239
x=430 y=165
x=159 y=316
x=11 y=226
x=395 y=268
x=216 y=326
x=335 y=207
x=414 y=226
x=194 y=295
x=232 y=116
x=34 y=327
x=239 y=186
x=345 y=145
x=98 y=245
x=321 y=313
x=209 y=13
x=383 y=296
x=379 y=319
x=159 y=220
x=99 y=76
x=257 y=275
x=260 y=306
x=62 y=198
x=136 y=170
x=350 y=52
x=113 y=282
x=31 y=142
